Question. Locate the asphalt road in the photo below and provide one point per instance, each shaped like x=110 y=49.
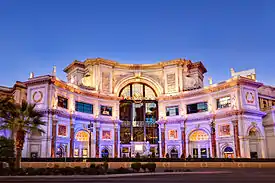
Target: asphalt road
x=233 y=175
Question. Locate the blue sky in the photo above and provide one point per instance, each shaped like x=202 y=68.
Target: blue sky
x=37 y=34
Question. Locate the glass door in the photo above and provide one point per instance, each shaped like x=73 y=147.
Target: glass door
x=195 y=153
x=203 y=153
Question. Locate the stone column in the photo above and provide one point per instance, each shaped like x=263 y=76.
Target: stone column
x=53 y=143
x=71 y=137
x=163 y=141
x=263 y=148
x=97 y=141
x=213 y=139
x=116 y=140
x=236 y=138
x=183 y=142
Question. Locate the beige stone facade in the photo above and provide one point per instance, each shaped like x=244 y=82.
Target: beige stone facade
x=118 y=110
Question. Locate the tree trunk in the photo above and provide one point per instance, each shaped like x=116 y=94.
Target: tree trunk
x=20 y=139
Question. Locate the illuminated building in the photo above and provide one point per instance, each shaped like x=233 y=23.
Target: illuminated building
x=118 y=110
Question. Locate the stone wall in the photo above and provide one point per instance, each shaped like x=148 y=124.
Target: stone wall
x=159 y=164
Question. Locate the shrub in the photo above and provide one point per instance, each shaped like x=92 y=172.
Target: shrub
x=92 y=165
x=105 y=166
x=77 y=170
x=100 y=170
x=69 y=171
x=144 y=167
x=5 y=171
x=137 y=156
x=151 y=167
x=122 y=170
x=136 y=166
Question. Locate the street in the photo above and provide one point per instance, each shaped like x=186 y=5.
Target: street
x=206 y=176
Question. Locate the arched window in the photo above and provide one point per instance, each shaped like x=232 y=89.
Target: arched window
x=82 y=136
x=139 y=112
x=198 y=135
x=253 y=132
x=136 y=91
x=228 y=150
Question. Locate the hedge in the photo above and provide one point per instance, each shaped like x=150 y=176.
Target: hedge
x=140 y=160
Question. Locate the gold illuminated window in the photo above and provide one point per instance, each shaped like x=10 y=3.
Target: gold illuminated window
x=82 y=136
x=198 y=135
x=138 y=91
x=126 y=92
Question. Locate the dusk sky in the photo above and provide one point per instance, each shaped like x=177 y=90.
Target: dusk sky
x=37 y=34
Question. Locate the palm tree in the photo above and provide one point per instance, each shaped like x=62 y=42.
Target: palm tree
x=20 y=119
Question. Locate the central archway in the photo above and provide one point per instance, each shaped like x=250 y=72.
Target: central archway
x=199 y=144
x=81 y=144
x=139 y=113
x=255 y=143
x=158 y=89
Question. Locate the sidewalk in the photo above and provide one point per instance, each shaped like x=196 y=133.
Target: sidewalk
x=116 y=175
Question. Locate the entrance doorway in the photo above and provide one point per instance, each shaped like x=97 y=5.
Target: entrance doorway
x=254 y=143
x=81 y=145
x=105 y=153
x=139 y=113
x=228 y=152
x=174 y=153
x=199 y=144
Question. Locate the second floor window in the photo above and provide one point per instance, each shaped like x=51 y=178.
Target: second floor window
x=172 y=111
x=84 y=107
x=223 y=102
x=198 y=107
x=62 y=102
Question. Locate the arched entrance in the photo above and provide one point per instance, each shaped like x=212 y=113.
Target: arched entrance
x=199 y=144
x=255 y=143
x=105 y=153
x=139 y=113
x=174 y=153
x=81 y=144
x=228 y=152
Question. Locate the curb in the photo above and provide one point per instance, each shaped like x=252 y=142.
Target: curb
x=112 y=175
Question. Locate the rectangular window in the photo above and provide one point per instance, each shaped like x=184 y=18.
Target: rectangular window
x=62 y=130
x=106 y=110
x=223 y=102
x=198 y=107
x=106 y=134
x=84 y=107
x=172 y=111
x=173 y=135
x=62 y=102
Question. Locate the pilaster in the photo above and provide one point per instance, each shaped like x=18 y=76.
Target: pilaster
x=53 y=143
x=236 y=138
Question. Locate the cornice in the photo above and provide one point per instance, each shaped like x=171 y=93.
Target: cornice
x=171 y=120
x=115 y=64
x=78 y=90
x=237 y=81
x=65 y=114
x=73 y=65
x=198 y=65
x=39 y=80
x=209 y=116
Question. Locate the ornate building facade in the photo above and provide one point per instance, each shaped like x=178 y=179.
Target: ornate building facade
x=118 y=110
